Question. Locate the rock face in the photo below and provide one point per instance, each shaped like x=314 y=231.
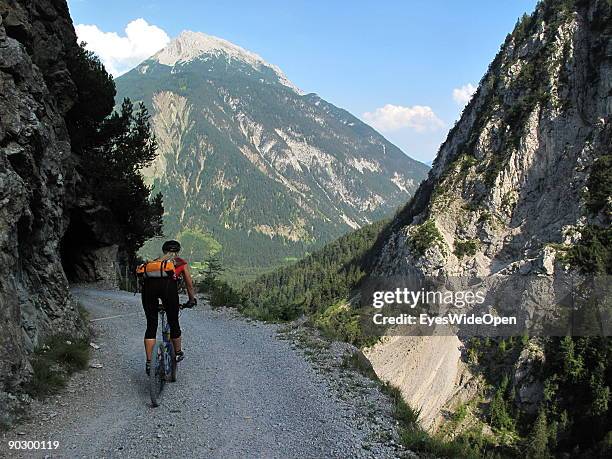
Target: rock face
x=506 y=193
x=426 y=368
x=246 y=157
x=40 y=193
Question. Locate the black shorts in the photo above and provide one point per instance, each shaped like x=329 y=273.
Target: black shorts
x=166 y=290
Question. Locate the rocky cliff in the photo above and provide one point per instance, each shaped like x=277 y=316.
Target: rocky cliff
x=48 y=220
x=517 y=189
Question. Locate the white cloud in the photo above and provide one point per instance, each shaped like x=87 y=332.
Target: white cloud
x=420 y=118
x=120 y=53
x=463 y=94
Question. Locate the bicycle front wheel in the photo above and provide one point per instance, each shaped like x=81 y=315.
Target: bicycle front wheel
x=157 y=374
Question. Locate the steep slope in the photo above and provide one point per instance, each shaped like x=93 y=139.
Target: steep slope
x=520 y=188
x=248 y=159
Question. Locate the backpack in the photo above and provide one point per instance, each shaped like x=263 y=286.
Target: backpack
x=156 y=269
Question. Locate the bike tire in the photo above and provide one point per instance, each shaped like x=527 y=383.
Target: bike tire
x=173 y=364
x=157 y=374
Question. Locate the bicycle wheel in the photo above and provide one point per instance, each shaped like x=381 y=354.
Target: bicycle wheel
x=171 y=355
x=157 y=374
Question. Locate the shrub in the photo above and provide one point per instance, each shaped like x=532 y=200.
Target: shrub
x=407 y=416
x=221 y=294
x=593 y=253
x=466 y=161
x=341 y=322
x=469 y=444
x=359 y=362
x=469 y=248
x=425 y=236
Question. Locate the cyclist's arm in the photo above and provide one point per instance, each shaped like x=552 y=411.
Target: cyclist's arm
x=188 y=283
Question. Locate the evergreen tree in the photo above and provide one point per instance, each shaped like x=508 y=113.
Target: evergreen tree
x=213 y=269
x=537 y=443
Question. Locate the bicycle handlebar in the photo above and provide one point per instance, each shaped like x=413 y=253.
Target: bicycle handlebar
x=189 y=304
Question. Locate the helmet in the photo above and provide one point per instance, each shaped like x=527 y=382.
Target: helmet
x=171 y=246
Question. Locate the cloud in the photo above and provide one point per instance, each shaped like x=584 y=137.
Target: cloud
x=420 y=118
x=463 y=94
x=120 y=53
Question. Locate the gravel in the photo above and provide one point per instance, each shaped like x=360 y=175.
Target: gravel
x=245 y=389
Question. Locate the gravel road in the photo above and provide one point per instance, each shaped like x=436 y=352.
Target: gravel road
x=241 y=392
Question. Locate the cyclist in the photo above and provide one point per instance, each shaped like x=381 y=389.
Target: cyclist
x=160 y=282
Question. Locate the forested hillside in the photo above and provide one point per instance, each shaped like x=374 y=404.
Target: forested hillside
x=319 y=280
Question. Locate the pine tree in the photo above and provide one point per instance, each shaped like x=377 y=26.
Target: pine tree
x=537 y=443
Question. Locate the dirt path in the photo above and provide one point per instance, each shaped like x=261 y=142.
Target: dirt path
x=241 y=392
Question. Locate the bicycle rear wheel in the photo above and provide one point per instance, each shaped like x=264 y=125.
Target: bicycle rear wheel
x=172 y=363
x=157 y=374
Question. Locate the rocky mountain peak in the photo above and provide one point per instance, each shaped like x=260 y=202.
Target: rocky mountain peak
x=189 y=45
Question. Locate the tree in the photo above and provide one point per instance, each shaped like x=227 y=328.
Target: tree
x=95 y=98
x=213 y=269
x=537 y=443
x=115 y=147
x=499 y=413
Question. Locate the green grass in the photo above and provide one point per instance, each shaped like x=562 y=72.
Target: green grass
x=54 y=362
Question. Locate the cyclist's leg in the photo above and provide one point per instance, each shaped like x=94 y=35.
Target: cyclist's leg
x=150 y=306
x=171 y=302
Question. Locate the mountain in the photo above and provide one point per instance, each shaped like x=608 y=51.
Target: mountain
x=519 y=194
x=519 y=198
x=251 y=166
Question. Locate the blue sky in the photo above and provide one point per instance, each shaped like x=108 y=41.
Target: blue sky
x=394 y=64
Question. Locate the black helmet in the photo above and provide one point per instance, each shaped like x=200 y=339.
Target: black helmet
x=171 y=246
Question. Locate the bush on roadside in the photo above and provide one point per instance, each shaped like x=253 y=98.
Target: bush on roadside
x=220 y=293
